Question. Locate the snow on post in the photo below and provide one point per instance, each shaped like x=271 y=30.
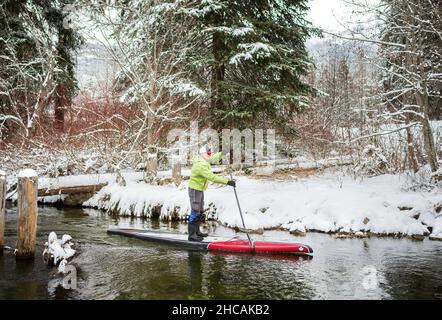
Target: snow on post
x=2 y=209
x=27 y=214
x=27 y=173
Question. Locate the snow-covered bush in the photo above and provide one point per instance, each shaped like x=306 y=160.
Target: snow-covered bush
x=372 y=162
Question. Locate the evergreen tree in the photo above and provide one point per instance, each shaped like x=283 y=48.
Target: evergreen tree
x=246 y=58
x=35 y=58
x=254 y=56
x=68 y=41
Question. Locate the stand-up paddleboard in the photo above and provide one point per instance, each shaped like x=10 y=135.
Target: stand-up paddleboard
x=216 y=243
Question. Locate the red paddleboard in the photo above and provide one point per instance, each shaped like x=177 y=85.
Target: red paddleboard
x=216 y=244
x=259 y=247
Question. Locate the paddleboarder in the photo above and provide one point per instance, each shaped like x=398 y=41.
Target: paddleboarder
x=200 y=176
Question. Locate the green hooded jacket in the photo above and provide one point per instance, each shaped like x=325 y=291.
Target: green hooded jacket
x=202 y=172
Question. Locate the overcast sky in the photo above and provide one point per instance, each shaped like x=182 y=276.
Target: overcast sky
x=327 y=13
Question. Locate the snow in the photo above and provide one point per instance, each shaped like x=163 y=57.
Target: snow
x=242 y=31
x=27 y=173
x=59 y=250
x=251 y=51
x=84 y=180
x=187 y=89
x=427 y=218
x=101 y=178
x=204 y=8
x=324 y=203
x=437 y=228
x=47 y=183
x=52 y=199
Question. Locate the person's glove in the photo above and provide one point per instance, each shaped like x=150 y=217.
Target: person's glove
x=231 y=183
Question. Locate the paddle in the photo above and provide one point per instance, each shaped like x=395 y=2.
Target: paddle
x=240 y=212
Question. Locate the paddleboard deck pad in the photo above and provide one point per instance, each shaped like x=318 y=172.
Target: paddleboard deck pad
x=216 y=243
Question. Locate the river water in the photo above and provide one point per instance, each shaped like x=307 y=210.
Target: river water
x=115 y=267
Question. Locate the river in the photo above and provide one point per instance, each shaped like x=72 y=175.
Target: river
x=115 y=267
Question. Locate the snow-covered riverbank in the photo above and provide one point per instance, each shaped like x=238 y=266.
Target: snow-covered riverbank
x=325 y=203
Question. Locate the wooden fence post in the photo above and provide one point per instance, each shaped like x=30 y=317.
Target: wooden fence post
x=176 y=173
x=2 y=210
x=151 y=168
x=27 y=214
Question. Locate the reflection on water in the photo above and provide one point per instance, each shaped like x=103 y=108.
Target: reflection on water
x=114 y=267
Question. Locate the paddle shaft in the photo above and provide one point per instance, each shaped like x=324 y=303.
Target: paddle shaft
x=240 y=212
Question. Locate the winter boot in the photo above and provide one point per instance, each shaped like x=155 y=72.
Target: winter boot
x=198 y=224
x=192 y=230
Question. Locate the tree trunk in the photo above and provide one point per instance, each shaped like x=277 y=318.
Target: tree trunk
x=218 y=72
x=414 y=64
x=61 y=103
x=421 y=95
x=151 y=164
x=408 y=99
x=429 y=145
x=410 y=151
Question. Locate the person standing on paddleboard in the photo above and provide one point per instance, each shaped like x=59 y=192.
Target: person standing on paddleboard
x=199 y=179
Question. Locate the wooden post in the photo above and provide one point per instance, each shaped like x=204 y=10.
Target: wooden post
x=2 y=210
x=27 y=214
x=151 y=168
x=176 y=173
